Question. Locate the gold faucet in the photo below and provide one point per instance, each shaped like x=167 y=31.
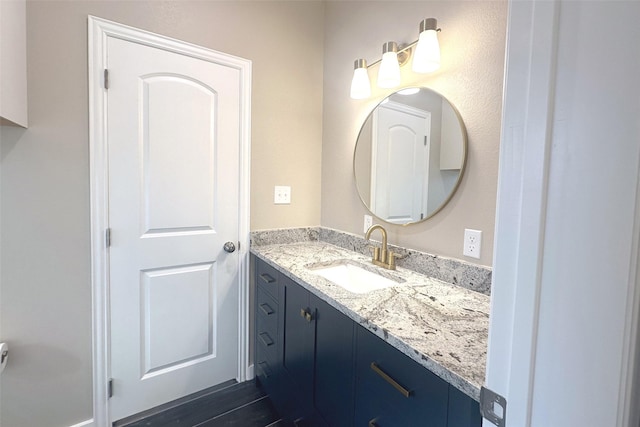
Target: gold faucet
x=382 y=256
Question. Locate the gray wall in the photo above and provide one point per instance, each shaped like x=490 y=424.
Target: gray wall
x=472 y=43
x=45 y=219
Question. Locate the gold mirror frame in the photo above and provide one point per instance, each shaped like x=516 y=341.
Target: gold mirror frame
x=360 y=141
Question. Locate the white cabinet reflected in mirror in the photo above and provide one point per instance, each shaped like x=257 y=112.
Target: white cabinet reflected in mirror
x=410 y=156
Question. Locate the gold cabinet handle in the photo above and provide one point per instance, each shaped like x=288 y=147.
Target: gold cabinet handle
x=373 y=423
x=306 y=315
x=387 y=378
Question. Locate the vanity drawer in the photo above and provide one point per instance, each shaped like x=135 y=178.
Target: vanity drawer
x=267 y=376
x=267 y=313
x=267 y=278
x=267 y=328
x=392 y=389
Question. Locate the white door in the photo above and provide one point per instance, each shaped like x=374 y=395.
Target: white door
x=400 y=164
x=173 y=154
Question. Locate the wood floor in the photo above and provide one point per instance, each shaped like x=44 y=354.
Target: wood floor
x=231 y=404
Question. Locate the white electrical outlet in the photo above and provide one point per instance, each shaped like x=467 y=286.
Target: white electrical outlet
x=472 y=243
x=282 y=195
x=368 y=222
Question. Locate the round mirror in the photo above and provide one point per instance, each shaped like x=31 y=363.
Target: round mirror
x=410 y=156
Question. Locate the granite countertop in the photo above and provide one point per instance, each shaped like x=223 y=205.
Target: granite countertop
x=442 y=326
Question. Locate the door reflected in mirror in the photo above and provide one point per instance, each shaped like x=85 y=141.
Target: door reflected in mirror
x=410 y=156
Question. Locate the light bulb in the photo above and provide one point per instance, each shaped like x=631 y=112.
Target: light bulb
x=389 y=72
x=409 y=91
x=426 y=58
x=360 y=85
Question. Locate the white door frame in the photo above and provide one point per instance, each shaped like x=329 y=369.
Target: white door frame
x=99 y=31
x=522 y=189
x=527 y=135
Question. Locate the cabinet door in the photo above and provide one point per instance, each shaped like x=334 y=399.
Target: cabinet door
x=463 y=410
x=334 y=366
x=298 y=340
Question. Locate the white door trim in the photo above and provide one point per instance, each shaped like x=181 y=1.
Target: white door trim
x=527 y=127
x=99 y=31
x=628 y=409
x=521 y=207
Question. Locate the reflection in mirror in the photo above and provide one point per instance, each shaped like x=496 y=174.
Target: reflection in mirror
x=410 y=156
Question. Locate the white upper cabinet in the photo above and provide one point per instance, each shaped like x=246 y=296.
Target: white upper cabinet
x=13 y=63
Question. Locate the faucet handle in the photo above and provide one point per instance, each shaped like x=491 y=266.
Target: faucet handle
x=392 y=260
x=376 y=253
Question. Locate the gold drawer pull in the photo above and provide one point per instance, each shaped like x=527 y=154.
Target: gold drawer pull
x=387 y=378
x=267 y=278
x=373 y=423
x=266 y=309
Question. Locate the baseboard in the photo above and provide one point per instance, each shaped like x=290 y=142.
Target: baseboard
x=250 y=372
x=88 y=423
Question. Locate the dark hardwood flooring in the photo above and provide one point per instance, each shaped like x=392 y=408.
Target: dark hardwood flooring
x=230 y=404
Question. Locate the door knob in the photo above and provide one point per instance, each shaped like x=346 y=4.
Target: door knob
x=229 y=247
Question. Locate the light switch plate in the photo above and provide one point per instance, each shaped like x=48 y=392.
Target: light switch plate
x=472 y=243
x=282 y=195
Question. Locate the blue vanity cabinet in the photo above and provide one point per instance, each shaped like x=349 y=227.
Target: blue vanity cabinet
x=393 y=390
x=463 y=410
x=318 y=357
x=307 y=364
x=320 y=368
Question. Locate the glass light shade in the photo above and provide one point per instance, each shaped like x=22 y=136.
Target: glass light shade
x=360 y=85
x=389 y=72
x=426 y=58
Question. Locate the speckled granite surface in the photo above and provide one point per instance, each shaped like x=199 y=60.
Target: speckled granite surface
x=285 y=235
x=461 y=273
x=442 y=326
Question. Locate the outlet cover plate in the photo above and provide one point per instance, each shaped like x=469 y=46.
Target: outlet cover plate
x=368 y=222
x=472 y=243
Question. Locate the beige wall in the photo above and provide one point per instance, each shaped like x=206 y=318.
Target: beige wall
x=472 y=42
x=45 y=276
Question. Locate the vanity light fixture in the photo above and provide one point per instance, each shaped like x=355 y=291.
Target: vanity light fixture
x=426 y=59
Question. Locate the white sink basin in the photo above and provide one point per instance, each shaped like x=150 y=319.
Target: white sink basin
x=353 y=278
